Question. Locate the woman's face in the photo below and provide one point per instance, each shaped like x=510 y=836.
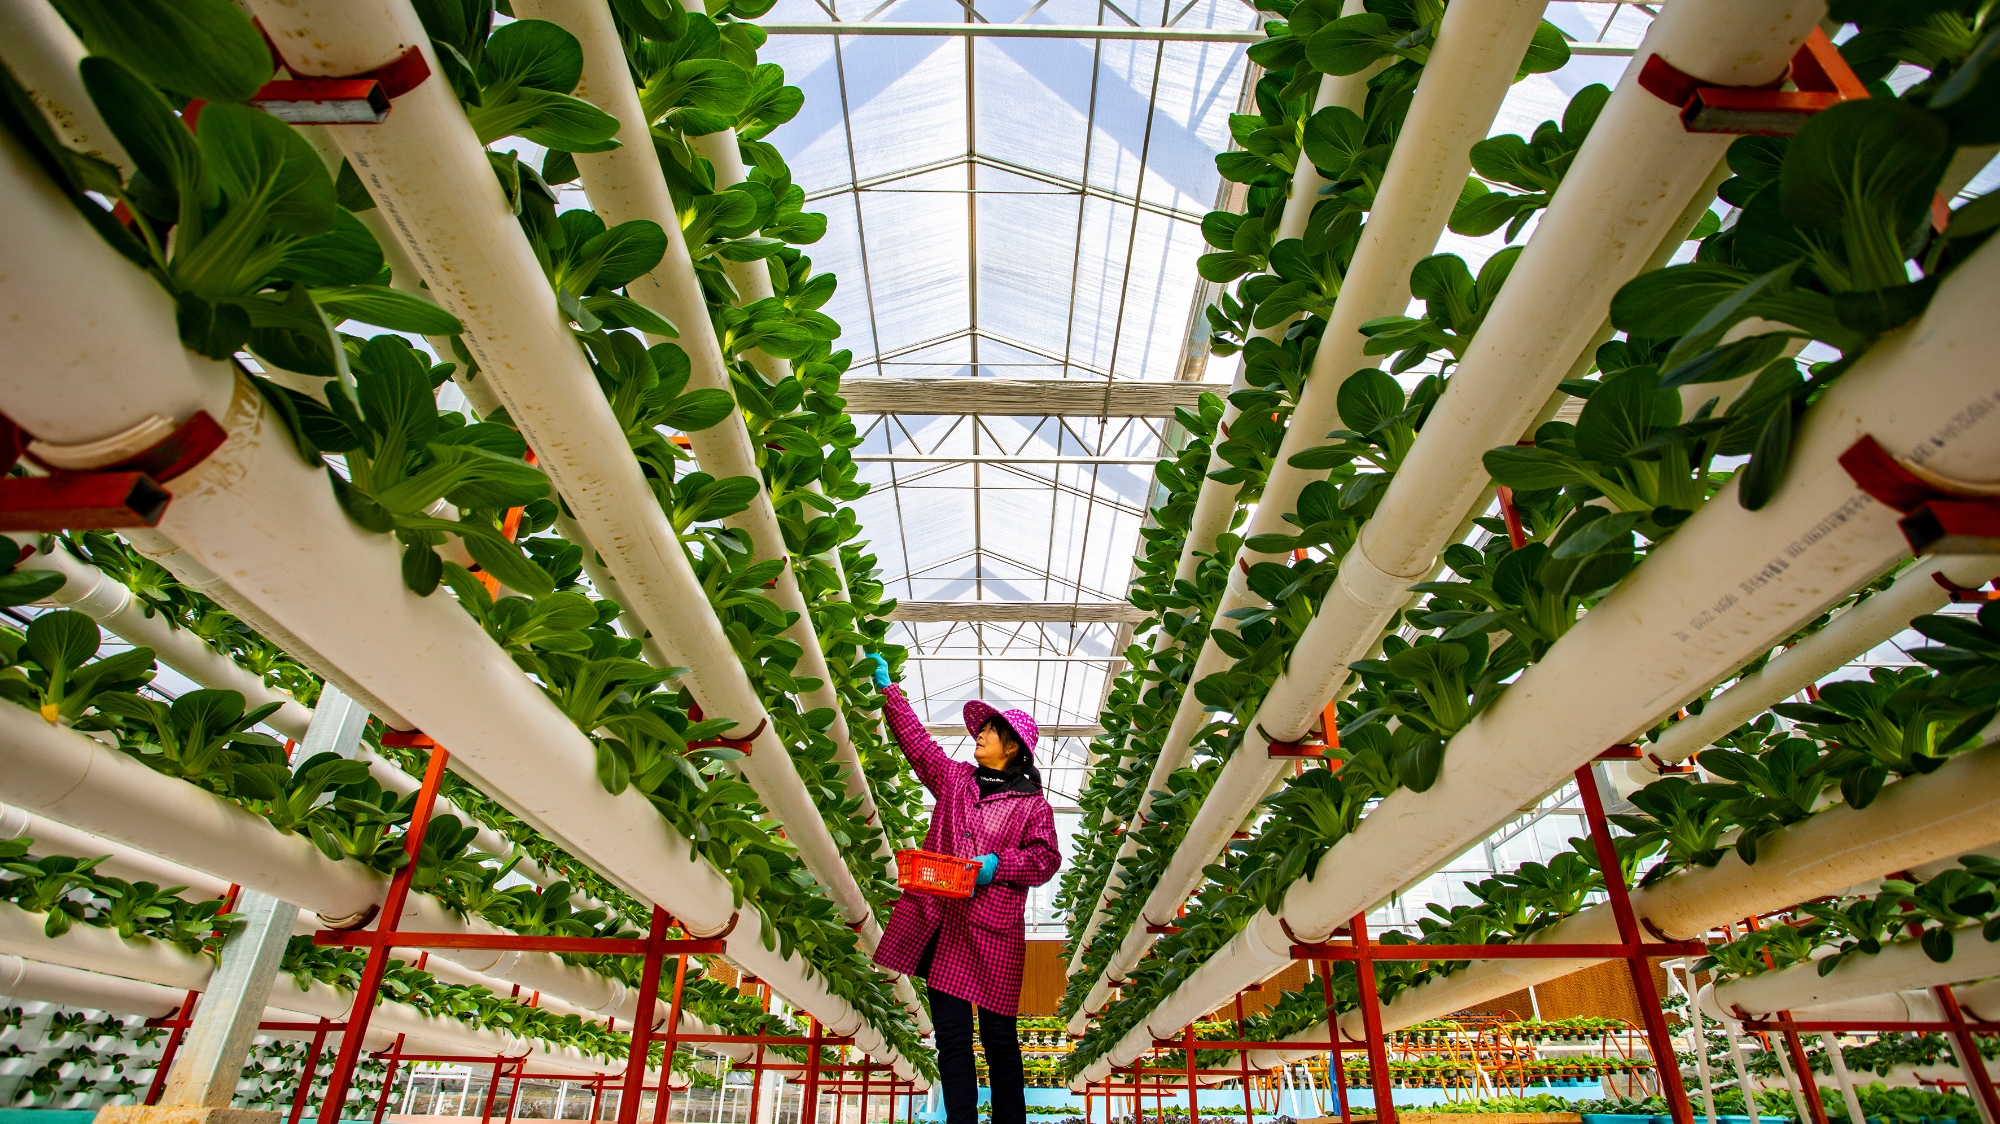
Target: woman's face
x=993 y=748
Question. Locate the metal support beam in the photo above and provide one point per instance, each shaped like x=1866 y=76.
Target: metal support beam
x=1047 y=612
x=1073 y=31
x=948 y=458
x=210 y=1061
x=1022 y=397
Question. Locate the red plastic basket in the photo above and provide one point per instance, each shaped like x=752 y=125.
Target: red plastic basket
x=941 y=876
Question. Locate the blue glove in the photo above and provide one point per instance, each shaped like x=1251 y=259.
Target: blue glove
x=988 y=865
x=881 y=671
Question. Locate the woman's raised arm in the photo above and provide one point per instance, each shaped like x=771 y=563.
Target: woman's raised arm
x=933 y=767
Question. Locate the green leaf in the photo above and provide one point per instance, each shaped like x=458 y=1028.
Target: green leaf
x=623 y=253
x=421 y=568
x=1528 y=468
x=215 y=330
x=1759 y=480
x=61 y=641
x=1349 y=44
x=1667 y=303
x=25 y=587
x=347 y=254
x=698 y=410
x=1547 y=51
x=200 y=48
x=1866 y=170
x=532 y=53
x=1368 y=399
x=505 y=561
x=1627 y=410
x=616 y=311
x=255 y=157
x=171 y=168
x=1730 y=361
x=1334 y=136
x=386 y=308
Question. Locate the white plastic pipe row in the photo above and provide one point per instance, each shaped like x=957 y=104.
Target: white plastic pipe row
x=1979 y=1000
x=154 y=814
x=1215 y=502
x=625 y=183
x=1479 y=49
x=1901 y=966
x=105 y=600
x=428 y=174
x=88 y=949
x=77 y=780
x=120 y=860
x=103 y=332
x=1349 y=622
x=1914 y=821
x=1852 y=632
x=391 y=777
x=1729 y=582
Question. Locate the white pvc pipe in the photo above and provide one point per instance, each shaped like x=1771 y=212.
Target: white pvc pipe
x=42 y=52
x=190 y=572
x=1731 y=581
x=107 y=601
x=255 y=510
x=1913 y=821
x=1854 y=631
x=1479 y=48
x=1901 y=966
x=624 y=184
x=78 y=780
x=120 y=860
x=102 y=333
x=427 y=172
x=72 y=987
x=91 y=949
x=156 y=813
x=1215 y=502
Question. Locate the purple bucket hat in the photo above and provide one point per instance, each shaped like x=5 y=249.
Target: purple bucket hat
x=977 y=712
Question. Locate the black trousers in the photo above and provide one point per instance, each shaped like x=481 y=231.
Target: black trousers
x=952 y=1018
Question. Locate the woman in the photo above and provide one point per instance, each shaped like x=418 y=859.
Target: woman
x=969 y=950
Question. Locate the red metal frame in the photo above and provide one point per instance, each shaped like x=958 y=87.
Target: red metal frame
x=1632 y=948
x=384 y=936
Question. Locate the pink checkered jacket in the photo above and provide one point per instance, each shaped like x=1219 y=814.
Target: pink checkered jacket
x=981 y=942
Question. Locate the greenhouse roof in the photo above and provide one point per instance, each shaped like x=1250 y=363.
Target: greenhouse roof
x=1008 y=208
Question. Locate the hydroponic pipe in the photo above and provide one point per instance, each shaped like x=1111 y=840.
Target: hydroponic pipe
x=1730 y=583
x=42 y=52
x=1601 y=229
x=120 y=860
x=1853 y=631
x=1586 y=245
x=88 y=949
x=78 y=780
x=107 y=601
x=752 y=281
x=190 y=572
x=254 y=509
x=625 y=183
x=1978 y=1000
x=1479 y=48
x=64 y=773
x=427 y=171
x=1914 y=821
x=1902 y=965
x=21 y=978
x=1215 y=502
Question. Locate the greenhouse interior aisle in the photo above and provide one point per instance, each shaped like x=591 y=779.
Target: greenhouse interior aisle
x=1313 y=559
